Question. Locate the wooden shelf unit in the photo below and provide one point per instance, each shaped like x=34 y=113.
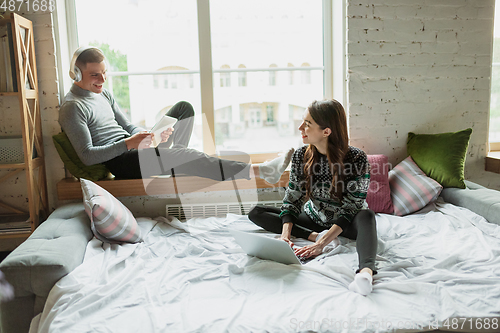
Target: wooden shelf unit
x=33 y=166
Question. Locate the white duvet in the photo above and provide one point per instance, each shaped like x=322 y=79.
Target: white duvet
x=441 y=262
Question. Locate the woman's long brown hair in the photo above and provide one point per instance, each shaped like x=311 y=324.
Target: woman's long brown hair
x=328 y=114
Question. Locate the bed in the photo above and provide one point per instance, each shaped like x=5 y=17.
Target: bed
x=438 y=267
x=437 y=264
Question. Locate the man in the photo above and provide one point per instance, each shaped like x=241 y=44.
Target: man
x=100 y=133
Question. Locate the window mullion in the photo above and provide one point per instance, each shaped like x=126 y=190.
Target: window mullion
x=327 y=49
x=66 y=40
x=206 y=81
x=339 y=56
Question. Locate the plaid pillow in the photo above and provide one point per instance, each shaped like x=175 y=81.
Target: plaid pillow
x=111 y=221
x=411 y=189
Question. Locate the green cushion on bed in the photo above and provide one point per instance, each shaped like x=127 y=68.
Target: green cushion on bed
x=73 y=163
x=441 y=156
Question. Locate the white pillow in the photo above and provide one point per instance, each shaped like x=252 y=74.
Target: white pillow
x=411 y=189
x=112 y=222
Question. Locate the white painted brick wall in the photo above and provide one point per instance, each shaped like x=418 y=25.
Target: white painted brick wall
x=420 y=66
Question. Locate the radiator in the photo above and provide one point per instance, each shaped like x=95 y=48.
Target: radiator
x=186 y=212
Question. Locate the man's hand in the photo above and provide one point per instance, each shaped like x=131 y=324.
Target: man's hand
x=166 y=134
x=139 y=140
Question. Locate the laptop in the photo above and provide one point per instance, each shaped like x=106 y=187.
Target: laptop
x=267 y=248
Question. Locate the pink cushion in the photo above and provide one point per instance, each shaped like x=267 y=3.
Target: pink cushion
x=112 y=222
x=379 y=192
x=411 y=189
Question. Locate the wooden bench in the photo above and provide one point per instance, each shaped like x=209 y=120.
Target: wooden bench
x=70 y=189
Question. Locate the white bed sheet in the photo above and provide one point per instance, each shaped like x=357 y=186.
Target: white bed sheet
x=441 y=262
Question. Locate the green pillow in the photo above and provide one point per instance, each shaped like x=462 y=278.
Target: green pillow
x=441 y=156
x=73 y=163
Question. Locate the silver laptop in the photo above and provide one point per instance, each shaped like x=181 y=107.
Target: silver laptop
x=266 y=247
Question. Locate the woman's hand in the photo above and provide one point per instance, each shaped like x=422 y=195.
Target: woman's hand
x=139 y=140
x=286 y=239
x=308 y=251
x=286 y=233
x=316 y=248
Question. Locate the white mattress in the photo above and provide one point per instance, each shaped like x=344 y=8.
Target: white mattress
x=192 y=277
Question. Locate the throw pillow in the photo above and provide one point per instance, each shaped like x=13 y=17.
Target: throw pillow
x=411 y=189
x=441 y=156
x=73 y=163
x=111 y=221
x=379 y=191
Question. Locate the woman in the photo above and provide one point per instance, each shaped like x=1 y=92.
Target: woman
x=326 y=195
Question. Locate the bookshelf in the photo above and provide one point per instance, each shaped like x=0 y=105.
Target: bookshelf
x=24 y=155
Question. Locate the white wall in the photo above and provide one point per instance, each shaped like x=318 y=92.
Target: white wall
x=420 y=66
x=414 y=66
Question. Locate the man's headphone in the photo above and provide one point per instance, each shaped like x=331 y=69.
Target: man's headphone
x=75 y=72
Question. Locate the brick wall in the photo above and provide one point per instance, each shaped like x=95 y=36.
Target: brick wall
x=49 y=98
x=420 y=66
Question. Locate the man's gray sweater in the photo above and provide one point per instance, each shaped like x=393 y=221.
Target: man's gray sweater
x=95 y=125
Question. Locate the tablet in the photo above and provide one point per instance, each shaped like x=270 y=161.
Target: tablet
x=164 y=123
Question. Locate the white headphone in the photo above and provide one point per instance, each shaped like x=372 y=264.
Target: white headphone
x=75 y=72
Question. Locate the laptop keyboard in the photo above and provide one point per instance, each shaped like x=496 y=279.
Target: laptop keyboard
x=304 y=261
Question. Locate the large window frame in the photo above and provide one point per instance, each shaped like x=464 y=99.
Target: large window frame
x=493 y=146
x=334 y=55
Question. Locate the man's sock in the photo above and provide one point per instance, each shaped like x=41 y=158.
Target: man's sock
x=362 y=283
x=271 y=171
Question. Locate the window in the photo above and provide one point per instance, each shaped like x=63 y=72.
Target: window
x=305 y=74
x=225 y=77
x=270 y=114
x=494 y=131
x=223 y=128
x=290 y=74
x=242 y=77
x=146 y=60
x=162 y=49
x=272 y=75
